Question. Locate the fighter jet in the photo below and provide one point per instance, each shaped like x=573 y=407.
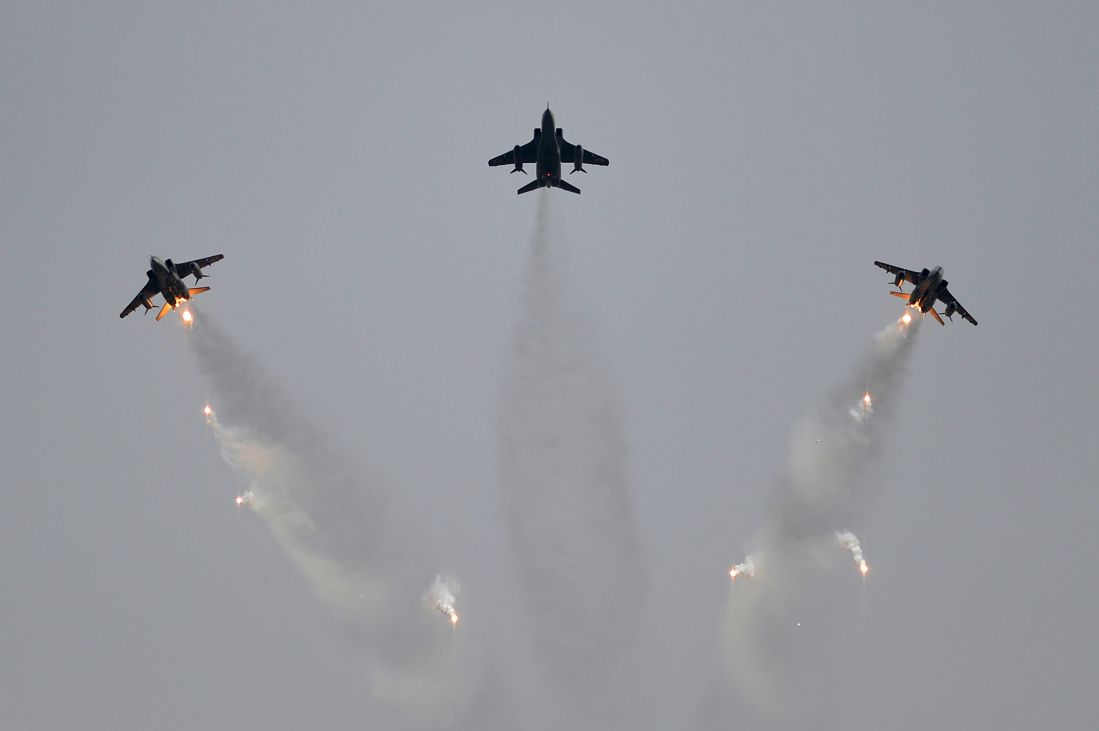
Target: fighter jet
x=928 y=286
x=548 y=150
x=166 y=278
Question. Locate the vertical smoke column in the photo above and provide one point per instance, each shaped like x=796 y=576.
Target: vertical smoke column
x=822 y=489
x=365 y=558
x=567 y=495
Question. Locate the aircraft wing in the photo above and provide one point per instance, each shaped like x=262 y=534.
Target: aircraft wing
x=909 y=276
x=527 y=153
x=147 y=292
x=568 y=154
x=947 y=299
x=200 y=263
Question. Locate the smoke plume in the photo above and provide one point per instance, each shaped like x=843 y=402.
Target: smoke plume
x=822 y=487
x=363 y=556
x=567 y=496
x=850 y=542
x=442 y=596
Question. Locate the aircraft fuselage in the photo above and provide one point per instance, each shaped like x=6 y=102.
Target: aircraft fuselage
x=171 y=286
x=926 y=291
x=549 y=152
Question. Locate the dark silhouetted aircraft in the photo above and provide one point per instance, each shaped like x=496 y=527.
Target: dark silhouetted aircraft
x=928 y=286
x=548 y=150
x=166 y=278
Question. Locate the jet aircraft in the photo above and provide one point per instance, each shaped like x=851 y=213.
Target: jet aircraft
x=928 y=286
x=166 y=278
x=548 y=150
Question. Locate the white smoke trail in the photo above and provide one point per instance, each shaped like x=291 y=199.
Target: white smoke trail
x=567 y=495
x=822 y=487
x=442 y=597
x=364 y=558
x=850 y=542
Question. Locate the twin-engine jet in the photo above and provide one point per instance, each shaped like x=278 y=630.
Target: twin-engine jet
x=928 y=286
x=166 y=278
x=548 y=150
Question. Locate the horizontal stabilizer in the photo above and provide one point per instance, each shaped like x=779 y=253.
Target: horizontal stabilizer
x=936 y=316
x=197 y=290
x=536 y=183
x=563 y=185
x=163 y=311
x=902 y=295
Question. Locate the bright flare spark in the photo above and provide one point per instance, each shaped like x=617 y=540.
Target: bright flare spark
x=906 y=318
x=863 y=410
x=187 y=317
x=442 y=596
x=850 y=541
x=746 y=568
x=248 y=498
x=208 y=411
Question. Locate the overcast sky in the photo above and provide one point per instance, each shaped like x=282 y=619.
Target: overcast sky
x=763 y=155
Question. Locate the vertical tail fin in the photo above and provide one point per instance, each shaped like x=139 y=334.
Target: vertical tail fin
x=163 y=311
x=197 y=290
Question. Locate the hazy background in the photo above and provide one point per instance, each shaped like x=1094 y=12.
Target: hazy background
x=762 y=156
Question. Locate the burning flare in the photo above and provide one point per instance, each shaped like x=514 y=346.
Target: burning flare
x=442 y=596
x=745 y=568
x=850 y=542
x=187 y=318
x=248 y=498
x=863 y=410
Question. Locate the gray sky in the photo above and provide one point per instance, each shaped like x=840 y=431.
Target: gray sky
x=762 y=156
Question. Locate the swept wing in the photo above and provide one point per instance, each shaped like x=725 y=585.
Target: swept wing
x=947 y=299
x=144 y=297
x=568 y=153
x=909 y=276
x=527 y=153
